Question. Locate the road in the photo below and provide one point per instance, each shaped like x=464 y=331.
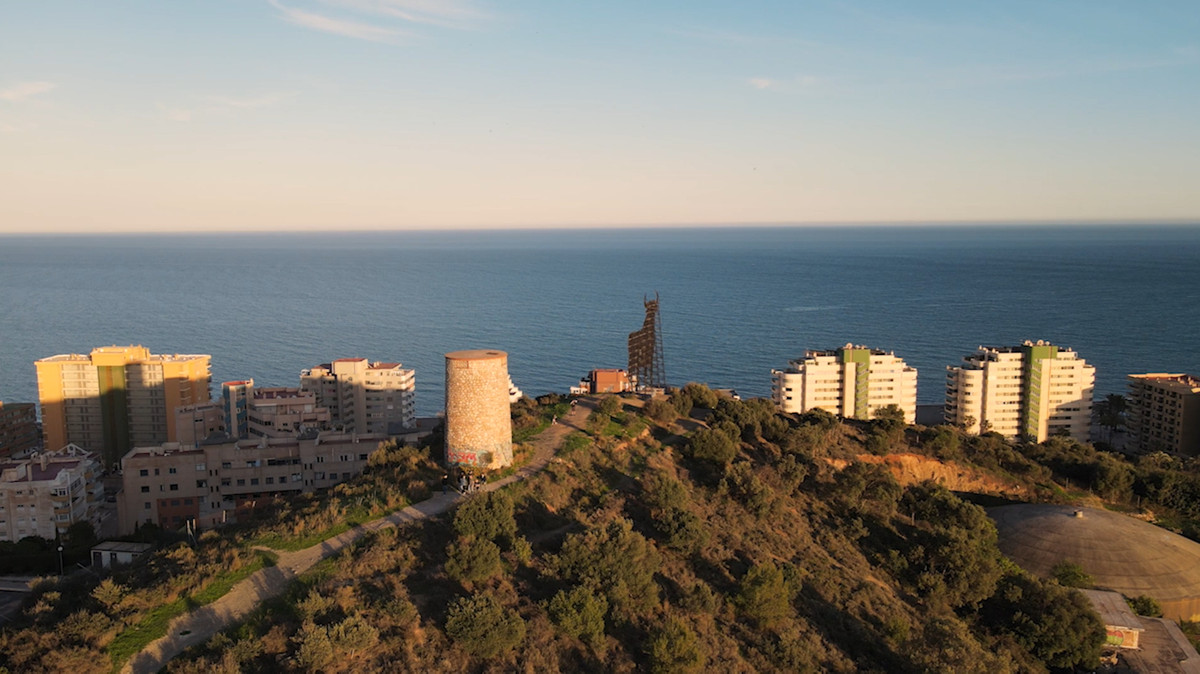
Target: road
x=200 y=625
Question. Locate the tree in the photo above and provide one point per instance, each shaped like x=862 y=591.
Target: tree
x=661 y=411
x=712 y=447
x=763 y=595
x=1145 y=605
x=486 y=517
x=674 y=648
x=483 y=627
x=609 y=405
x=473 y=561
x=1056 y=624
x=614 y=560
x=1110 y=413
x=1070 y=574
x=579 y=613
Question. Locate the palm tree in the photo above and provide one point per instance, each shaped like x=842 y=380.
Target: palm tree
x=1110 y=413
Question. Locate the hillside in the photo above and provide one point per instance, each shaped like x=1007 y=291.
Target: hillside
x=676 y=536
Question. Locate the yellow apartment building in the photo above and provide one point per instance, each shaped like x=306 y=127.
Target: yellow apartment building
x=117 y=397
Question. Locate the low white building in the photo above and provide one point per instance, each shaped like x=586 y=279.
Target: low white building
x=48 y=492
x=852 y=381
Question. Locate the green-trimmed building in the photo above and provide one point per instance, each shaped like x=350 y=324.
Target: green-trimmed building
x=1034 y=390
x=851 y=381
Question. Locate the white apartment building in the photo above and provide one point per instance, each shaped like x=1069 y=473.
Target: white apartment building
x=48 y=492
x=852 y=381
x=363 y=396
x=1033 y=391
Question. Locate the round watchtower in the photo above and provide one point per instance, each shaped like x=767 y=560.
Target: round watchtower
x=478 y=419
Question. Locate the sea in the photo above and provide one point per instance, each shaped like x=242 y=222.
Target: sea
x=735 y=301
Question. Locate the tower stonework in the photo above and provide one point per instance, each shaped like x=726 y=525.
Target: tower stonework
x=478 y=418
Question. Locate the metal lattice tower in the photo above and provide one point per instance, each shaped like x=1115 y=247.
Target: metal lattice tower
x=646 y=349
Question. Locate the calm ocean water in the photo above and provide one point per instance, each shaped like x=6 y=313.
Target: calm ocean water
x=735 y=302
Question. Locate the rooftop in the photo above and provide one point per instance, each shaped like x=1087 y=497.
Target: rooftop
x=476 y=354
x=1121 y=553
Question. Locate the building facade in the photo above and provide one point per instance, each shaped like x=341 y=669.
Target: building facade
x=605 y=380
x=172 y=483
x=363 y=396
x=1163 y=413
x=1032 y=391
x=478 y=412
x=48 y=492
x=117 y=397
x=18 y=429
x=852 y=381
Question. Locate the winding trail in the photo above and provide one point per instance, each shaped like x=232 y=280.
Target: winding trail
x=200 y=625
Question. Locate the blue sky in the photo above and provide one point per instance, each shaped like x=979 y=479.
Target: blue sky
x=400 y=114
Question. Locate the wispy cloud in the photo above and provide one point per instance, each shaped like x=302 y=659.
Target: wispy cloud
x=444 y=13
x=383 y=20
x=343 y=27
x=25 y=91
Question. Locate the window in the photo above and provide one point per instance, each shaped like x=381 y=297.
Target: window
x=320 y=459
x=174 y=501
x=175 y=487
x=144 y=472
x=201 y=484
x=362 y=457
x=200 y=468
x=270 y=480
x=254 y=481
x=145 y=489
x=225 y=482
x=226 y=464
x=147 y=505
x=171 y=470
x=344 y=457
x=187 y=501
x=241 y=482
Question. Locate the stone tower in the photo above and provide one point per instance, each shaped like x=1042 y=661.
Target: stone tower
x=478 y=419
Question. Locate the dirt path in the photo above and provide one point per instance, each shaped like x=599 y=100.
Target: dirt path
x=202 y=624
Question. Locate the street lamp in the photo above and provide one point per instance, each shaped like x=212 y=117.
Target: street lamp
x=60 y=560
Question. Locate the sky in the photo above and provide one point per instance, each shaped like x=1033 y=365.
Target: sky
x=287 y=115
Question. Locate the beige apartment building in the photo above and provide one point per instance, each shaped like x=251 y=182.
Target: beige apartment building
x=48 y=492
x=363 y=396
x=278 y=412
x=852 y=381
x=1033 y=391
x=1163 y=413
x=117 y=397
x=172 y=483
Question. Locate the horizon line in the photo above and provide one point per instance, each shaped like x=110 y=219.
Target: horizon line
x=625 y=227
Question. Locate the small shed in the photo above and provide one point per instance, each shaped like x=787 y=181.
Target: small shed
x=1122 y=625
x=115 y=553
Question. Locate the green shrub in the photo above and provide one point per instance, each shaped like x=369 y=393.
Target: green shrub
x=473 y=560
x=579 y=614
x=483 y=627
x=1070 y=574
x=674 y=649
